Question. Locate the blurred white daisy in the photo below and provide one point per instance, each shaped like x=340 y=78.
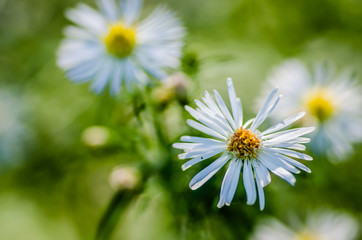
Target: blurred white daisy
x=241 y=143
x=322 y=225
x=333 y=104
x=114 y=47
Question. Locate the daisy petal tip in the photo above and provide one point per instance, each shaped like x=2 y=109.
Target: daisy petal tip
x=188 y=108
x=220 y=205
x=184 y=167
x=194 y=186
x=229 y=81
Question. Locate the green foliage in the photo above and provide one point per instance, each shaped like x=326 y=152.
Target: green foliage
x=58 y=187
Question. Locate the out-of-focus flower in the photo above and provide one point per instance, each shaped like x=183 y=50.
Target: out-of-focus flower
x=173 y=87
x=323 y=225
x=333 y=104
x=96 y=136
x=14 y=132
x=114 y=47
x=123 y=177
x=242 y=143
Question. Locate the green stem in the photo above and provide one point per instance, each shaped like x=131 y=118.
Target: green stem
x=110 y=218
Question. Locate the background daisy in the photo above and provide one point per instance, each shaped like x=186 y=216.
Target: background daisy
x=320 y=225
x=113 y=46
x=333 y=103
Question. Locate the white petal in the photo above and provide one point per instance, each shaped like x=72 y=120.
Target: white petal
x=292 y=153
x=206 y=121
x=233 y=102
x=280 y=162
x=87 y=18
x=240 y=112
x=277 y=170
x=199 y=152
x=230 y=183
x=205 y=174
x=84 y=71
x=198 y=139
x=287 y=135
x=99 y=84
x=218 y=114
x=284 y=123
x=224 y=109
x=189 y=147
x=248 y=123
x=249 y=183
x=263 y=111
x=294 y=163
x=198 y=159
x=109 y=9
x=259 y=186
x=204 y=129
x=295 y=146
x=130 y=10
x=262 y=172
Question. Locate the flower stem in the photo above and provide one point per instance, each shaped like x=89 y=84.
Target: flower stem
x=110 y=217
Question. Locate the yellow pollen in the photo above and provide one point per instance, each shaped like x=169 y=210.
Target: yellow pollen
x=305 y=235
x=120 y=40
x=320 y=104
x=244 y=144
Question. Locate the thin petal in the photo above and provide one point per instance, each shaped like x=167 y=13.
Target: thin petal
x=262 y=172
x=198 y=159
x=284 y=123
x=249 y=183
x=224 y=109
x=204 y=129
x=204 y=175
x=230 y=182
x=131 y=10
x=198 y=139
x=292 y=153
x=206 y=121
x=233 y=102
x=263 y=111
x=277 y=170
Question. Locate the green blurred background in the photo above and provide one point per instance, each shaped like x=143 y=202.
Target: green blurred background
x=53 y=186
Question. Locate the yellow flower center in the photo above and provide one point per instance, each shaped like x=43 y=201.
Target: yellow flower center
x=244 y=144
x=321 y=104
x=305 y=235
x=120 y=40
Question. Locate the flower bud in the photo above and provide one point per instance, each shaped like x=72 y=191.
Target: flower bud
x=96 y=136
x=123 y=177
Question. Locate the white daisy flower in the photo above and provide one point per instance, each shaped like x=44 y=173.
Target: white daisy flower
x=327 y=225
x=333 y=104
x=114 y=47
x=241 y=143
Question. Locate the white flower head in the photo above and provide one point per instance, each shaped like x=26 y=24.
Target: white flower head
x=240 y=143
x=114 y=47
x=333 y=103
x=320 y=225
